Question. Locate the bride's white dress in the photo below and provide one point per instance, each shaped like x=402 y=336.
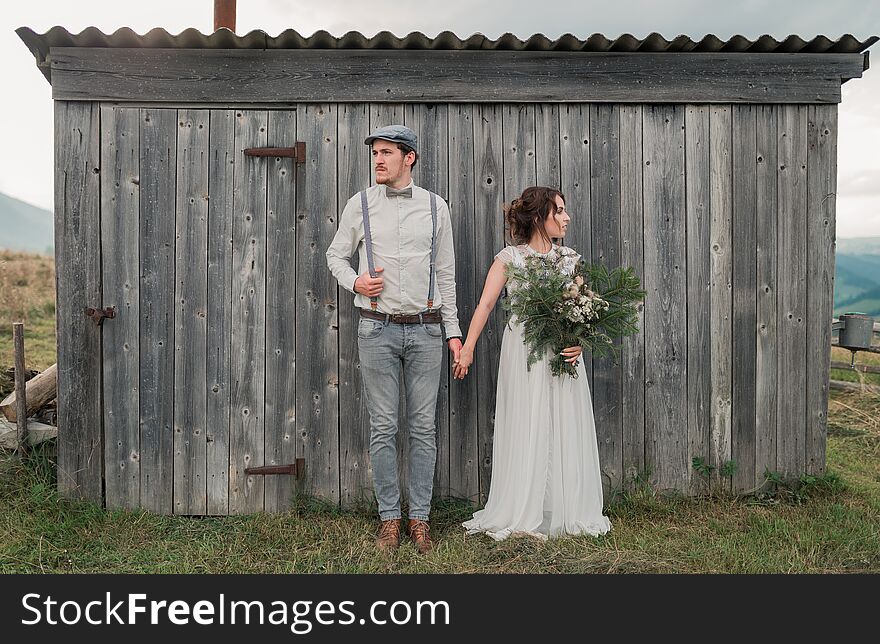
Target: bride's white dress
x=546 y=479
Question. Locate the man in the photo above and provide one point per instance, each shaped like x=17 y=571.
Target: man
x=397 y=228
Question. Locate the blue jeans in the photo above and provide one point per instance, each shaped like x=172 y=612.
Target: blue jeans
x=383 y=350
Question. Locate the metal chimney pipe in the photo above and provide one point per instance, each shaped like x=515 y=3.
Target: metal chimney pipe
x=224 y=14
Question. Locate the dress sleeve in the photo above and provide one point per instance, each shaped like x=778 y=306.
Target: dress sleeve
x=507 y=255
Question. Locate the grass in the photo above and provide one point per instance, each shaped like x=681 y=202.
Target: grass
x=829 y=524
x=825 y=524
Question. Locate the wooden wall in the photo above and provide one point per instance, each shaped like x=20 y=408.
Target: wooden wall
x=233 y=346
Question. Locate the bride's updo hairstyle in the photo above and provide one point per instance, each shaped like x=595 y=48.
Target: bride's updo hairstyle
x=529 y=212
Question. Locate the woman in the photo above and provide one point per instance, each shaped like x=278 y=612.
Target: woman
x=545 y=475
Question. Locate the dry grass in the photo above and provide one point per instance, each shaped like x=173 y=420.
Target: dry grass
x=27 y=294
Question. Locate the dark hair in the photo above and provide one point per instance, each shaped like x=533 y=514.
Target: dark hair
x=403 y=147
x=529 y=212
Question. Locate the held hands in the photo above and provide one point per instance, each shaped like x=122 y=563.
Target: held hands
x=370 y=286
x=464 y=358
x=572 y=354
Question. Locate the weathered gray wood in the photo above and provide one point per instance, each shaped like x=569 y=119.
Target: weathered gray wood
x=606 y=242
x=78 y=284
x=353 y=75
x=744 y=296
x=720 y=293
x=821 y=211
x=547 y=154
x=158 y=167
x=20 y=396
x=464 y=477
x=518 y=122
x=699 y=257
x=35 y=433
x=632 y=355
x=434 y=167
x=666 y=439
x=317 y=378
x=767 y=276
x=219 y=321
x=488 y=240
x=120 y=195
x=280 y=437
x=574 y=144
x=190 y=314
x=247 y=408
x=792 y=301
x=356 y=484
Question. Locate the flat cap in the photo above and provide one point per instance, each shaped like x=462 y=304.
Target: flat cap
x=395 y=134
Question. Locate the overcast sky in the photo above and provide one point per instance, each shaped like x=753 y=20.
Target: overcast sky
x=26 y=159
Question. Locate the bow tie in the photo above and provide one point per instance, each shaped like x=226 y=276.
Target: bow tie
x=402 y=192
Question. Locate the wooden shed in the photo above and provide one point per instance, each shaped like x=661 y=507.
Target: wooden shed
x=709 y=166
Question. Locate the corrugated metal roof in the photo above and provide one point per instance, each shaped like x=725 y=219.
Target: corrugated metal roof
x=39 y=44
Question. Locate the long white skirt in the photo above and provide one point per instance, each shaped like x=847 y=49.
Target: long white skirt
x=546 y=479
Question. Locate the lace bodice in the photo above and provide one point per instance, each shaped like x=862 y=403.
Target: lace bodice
x=517 y=254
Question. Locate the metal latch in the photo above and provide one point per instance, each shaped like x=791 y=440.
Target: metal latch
x=297 y=153
x=98 y=315
x=296 y=469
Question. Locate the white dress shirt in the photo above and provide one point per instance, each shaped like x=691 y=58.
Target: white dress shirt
x=401 y=232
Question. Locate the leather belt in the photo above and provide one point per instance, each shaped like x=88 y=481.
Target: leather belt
x=428 y=317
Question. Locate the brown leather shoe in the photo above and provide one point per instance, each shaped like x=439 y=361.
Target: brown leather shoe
x=418 y=532
x=389 y=535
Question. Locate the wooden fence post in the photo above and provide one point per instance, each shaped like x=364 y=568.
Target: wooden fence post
x=20 y=396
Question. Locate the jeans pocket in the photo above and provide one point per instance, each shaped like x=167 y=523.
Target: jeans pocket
x=369 y=329
x=434 y=329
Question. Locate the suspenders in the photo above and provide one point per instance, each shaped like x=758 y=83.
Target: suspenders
x=368 y=241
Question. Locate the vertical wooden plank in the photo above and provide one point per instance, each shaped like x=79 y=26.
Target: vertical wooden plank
x=247 y=409
x=720 y=292
x=280 y=441
x=547 y=154
x=434 y=176
x=356 y=483
x=821 y=212
x=464 y=474
x=518 y=122
x=767 y=276
x=574 y=135
x=744 y=224
x=317 y=342
x=665 y=282
x=78 y=284
x=158 y=162
x=191 y=310
x=219 y=322
x=488 y=240
x=605 y=206
x=699 y=255
x=792 y=270
x=119 y=236
x=632 y=355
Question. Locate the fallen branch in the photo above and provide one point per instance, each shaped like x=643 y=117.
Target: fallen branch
x=36 y=433
x=39 y=391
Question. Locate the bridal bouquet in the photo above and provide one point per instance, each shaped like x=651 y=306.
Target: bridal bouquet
x=563 y=302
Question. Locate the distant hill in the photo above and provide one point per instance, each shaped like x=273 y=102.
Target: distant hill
x=857 y=276
x=25 y=227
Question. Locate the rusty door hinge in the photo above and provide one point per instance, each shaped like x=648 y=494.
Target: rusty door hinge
x=296 y=469
x=98 y=315
x=297 y=153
